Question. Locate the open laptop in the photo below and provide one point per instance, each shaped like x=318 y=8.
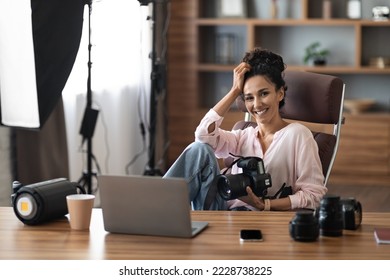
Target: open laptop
x=147 y=205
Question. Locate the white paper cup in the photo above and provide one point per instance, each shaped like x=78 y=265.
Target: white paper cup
x=80 y=210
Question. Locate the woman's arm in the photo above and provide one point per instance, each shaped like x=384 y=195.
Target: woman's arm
x=281 y=204
x=223 y=106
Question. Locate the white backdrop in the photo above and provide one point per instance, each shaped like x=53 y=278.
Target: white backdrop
x=121 y=43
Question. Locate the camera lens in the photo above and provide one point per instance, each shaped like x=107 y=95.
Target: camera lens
x=223 y=186
x=352 y=213
x=330 y=216
x=304 y=226
x=232 y=186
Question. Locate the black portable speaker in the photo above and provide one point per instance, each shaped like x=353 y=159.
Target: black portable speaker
x=41 y=202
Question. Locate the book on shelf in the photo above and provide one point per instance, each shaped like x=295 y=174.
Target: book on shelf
x=382 y=235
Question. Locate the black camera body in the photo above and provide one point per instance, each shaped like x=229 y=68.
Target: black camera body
x=253 y=175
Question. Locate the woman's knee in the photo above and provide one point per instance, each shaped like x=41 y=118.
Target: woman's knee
x=200 y=149
x=192 y=160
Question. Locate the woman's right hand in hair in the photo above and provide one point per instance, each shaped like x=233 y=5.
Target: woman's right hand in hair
x=238 y=77
x=238 y=84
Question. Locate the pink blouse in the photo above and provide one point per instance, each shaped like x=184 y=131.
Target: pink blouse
x=292 y=158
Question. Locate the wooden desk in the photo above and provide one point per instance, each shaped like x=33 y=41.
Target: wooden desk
x=220 y=240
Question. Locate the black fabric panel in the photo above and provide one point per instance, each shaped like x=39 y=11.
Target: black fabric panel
x=57 y=28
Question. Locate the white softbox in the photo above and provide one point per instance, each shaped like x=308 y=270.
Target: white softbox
x=39 y=41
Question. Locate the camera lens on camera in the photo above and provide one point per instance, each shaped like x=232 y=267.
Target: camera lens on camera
x=304 y=226
x=232 y=186
x=331 y=216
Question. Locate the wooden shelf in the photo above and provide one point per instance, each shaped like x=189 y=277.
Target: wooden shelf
x=350 y=41
x=210 y=67
x=289 y=22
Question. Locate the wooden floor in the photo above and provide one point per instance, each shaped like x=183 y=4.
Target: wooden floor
x=372 y=198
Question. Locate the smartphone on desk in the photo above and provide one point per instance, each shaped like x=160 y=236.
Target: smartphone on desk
x=251 y=235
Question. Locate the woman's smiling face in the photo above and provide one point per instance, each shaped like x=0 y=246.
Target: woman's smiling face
x=262 y=99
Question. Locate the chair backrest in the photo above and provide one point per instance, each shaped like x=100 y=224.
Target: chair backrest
x=311 y=98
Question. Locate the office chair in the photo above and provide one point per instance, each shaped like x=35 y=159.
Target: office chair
x=317 y=101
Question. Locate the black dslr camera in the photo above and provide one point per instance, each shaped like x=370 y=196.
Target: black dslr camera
x=254 y=176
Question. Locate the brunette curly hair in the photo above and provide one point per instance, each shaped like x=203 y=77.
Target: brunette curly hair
x=266 y=63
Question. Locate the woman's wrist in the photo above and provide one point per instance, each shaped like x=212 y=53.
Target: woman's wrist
x=267 y=204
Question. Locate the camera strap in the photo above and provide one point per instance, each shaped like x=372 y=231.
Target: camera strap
x=284 y=191
x=225 y=170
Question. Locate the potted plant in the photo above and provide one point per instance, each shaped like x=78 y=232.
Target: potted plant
x=315 y=54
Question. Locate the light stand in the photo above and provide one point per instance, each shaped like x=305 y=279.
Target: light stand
x=89 y=119
x=156 y=75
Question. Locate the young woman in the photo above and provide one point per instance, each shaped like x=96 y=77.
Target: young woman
x=288 y=150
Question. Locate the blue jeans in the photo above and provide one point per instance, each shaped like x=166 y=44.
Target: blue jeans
x=199 y=166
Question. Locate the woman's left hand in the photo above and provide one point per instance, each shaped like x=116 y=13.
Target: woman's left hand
x=252 y=199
